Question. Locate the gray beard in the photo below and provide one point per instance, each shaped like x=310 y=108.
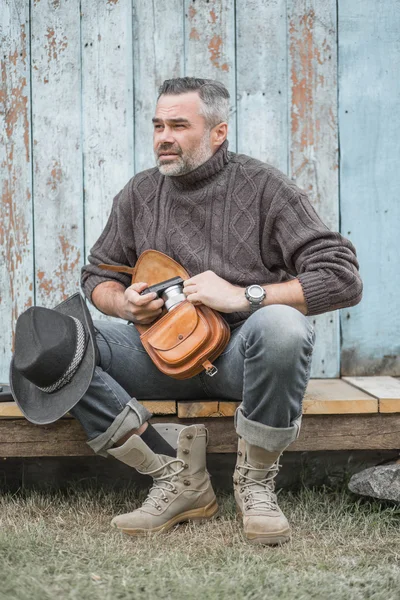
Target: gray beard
x=185 y=164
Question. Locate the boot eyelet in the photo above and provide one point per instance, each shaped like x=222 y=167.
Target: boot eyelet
x=185 y=451
x=174 y=491
x=241 y=490
x=185 y=466
x=240 y=453
x=159 y=508
x=237 y=468
x=186 y=482
x=165 y=499
x=189 y=436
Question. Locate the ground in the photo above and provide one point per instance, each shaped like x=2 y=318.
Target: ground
x=60 y=545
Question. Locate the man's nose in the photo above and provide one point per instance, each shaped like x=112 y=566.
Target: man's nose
x=166 y=136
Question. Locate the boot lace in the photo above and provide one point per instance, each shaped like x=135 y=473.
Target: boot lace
x=264 y=497
x=163 y=484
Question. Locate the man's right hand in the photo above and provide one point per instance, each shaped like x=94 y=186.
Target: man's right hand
x=141 y=310
x=113 y=299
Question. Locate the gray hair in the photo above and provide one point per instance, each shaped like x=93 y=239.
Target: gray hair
x=213 y=94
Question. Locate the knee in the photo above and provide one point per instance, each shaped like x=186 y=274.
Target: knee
x=281 y=328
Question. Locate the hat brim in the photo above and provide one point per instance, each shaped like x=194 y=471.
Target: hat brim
x=41 y=408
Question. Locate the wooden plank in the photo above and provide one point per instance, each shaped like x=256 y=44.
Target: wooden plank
x=57 y=158
x=160 y=407
x=107 y=111
x=386 y=389
x=9 y=410
x=334 y=397
x=313 y=137
x=16 y=228
x=157 y=55
x=369 y=92
x=227 y=409
x=206 y=408
x=323 y=396
x=330 y=432
x=262 y=81
x=210 y=47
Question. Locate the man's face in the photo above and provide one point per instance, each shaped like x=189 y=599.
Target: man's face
x=181 y=139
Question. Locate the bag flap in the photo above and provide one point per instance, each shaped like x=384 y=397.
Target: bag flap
x=151 y=267
x=154 y=266
x=174 y=328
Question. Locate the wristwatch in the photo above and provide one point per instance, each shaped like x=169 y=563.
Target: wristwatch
x=255 y=294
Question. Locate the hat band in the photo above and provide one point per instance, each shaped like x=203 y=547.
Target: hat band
x=74 y=364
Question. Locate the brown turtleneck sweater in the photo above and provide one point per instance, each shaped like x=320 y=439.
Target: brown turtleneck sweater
x=239 y=217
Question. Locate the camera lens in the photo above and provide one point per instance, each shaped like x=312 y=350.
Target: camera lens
x=173 y=296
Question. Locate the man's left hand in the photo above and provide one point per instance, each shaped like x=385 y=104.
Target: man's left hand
x=211 y=290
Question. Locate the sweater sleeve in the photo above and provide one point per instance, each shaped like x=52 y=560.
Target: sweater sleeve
x=112 y=247
x=323 y=261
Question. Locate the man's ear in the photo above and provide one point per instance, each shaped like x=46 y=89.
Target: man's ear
x=218 y=135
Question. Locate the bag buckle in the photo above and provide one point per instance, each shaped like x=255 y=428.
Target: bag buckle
x=210 y=369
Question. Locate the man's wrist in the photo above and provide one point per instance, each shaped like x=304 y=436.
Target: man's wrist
x=108 y=297
x=239 y=301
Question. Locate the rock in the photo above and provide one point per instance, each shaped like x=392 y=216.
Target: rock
x=381 y=482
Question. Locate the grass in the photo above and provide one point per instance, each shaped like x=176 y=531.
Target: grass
x=61 y=546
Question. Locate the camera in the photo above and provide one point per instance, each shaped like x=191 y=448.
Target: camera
x=170 y=290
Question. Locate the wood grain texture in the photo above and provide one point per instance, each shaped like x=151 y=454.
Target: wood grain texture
x=386 y=389
x=313 y=161
x=206 y=408
x=369 y=95
x=107 y=111
x=262 y=81
x=157 y=55
x=57 y=159
x=160 y=407
x=335 y=397
x=209 y=48
x=16 y=227
x=9 y=410
x=329 y=432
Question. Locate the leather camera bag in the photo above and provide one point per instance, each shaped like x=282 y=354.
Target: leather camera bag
x=184 y=341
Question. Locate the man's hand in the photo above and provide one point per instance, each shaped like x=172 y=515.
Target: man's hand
x=142 y=310
x=211 y=290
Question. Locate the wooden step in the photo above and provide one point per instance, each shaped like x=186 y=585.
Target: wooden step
x=19 y=438
x=384 y=388
x=323 y=397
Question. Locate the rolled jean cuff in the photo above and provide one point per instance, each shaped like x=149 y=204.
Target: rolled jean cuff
x=272 y=439
x=131 y=417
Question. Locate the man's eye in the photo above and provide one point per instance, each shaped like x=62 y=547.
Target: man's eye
x=157 y=126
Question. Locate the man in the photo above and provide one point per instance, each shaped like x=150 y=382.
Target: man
x=257 y=252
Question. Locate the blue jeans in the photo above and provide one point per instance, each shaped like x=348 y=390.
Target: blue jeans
x=266 y=367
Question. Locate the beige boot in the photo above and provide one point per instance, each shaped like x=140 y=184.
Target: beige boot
x=181 y=490
x=254 y=486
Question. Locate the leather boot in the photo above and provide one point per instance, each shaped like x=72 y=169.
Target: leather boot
x=181 y=488
x=254 y=486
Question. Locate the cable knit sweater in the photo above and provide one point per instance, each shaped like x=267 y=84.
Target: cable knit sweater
x=237 y=216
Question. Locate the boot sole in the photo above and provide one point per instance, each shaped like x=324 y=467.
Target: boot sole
x=276 y=539
x=196 y=514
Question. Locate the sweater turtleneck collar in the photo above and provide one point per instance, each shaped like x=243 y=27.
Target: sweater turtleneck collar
x=199 y=176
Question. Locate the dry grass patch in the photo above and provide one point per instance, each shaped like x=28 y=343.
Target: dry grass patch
x=61 y=545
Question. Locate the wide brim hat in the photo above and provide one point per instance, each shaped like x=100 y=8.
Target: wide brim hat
x=42 y=408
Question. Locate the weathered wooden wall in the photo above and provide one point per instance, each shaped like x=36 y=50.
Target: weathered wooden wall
x=314 y=90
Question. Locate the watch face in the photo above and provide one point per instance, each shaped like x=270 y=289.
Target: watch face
x=256 y=292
